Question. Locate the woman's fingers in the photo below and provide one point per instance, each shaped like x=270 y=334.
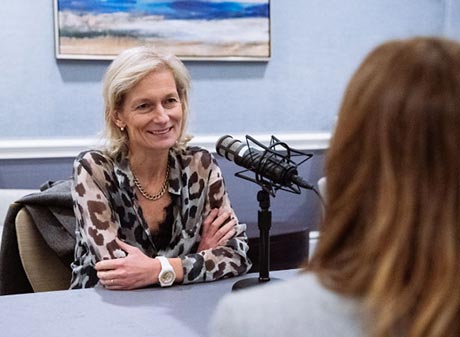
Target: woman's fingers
x=107 y=275
x=214 y=221
x=218 y=227
x=130 y=272
x=222 y=220
x=225 y=229
x=126 y=247
x=207 y=223
x=111 y=279
x=223 y=241
x=112 y=284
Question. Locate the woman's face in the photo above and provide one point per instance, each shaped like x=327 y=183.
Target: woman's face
x=152 y=113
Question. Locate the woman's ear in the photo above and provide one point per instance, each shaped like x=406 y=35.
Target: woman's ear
x=117 y=120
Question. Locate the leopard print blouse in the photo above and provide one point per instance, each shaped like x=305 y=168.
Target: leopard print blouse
x=106 y=207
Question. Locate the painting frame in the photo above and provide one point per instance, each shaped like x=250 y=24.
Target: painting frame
x=75 y=44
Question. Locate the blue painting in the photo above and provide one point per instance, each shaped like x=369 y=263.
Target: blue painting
x=190 y=29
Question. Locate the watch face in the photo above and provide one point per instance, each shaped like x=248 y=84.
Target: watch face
x=167 y=278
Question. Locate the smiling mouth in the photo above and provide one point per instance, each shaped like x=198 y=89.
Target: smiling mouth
x=159 y=132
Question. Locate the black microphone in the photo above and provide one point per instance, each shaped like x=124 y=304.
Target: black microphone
x=273 y=167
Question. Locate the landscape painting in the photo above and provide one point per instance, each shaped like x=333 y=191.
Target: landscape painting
x=190 y=29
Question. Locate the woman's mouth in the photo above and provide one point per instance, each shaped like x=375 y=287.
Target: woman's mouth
x=159 y=132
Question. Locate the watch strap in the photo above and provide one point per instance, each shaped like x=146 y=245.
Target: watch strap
x=167 y=274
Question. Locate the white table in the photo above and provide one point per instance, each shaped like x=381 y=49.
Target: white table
x=179 y=311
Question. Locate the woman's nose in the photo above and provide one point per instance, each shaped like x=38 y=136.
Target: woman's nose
x=160 y=115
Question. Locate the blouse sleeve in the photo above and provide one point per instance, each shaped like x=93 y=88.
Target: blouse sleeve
x=96 y=221
x=224 y=261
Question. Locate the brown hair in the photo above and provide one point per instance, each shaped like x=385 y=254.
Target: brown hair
x=391 y=234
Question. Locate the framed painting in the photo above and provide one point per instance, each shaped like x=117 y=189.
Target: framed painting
x=191 y=29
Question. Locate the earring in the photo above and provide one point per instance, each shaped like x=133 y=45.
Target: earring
x=122 y=129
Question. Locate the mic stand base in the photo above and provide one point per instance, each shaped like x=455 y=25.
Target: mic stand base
x=250 y=282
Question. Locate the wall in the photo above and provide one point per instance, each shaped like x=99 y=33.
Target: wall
x=50 y=109
x=316 y=44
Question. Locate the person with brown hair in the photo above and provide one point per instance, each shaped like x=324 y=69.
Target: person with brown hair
x=388 y=259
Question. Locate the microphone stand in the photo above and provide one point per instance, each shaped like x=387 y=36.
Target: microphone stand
x=264 y=222
x=269 y=159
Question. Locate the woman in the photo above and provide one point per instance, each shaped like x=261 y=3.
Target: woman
x=149 y=209
x=388 y=260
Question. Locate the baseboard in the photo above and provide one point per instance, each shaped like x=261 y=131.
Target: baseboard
x=70 y=147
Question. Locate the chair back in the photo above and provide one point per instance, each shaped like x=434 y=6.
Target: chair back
x=44 y=270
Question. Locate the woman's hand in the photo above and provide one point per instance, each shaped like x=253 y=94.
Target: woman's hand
x=218 y=228
x=136 y=270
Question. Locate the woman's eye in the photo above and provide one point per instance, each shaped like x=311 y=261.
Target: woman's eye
x=143 y=106
x=171 y=101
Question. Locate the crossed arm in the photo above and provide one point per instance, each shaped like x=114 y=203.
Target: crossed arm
x=221 y=240
x=137 y=270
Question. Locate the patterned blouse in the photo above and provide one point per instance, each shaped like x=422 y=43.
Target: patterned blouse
x=106 y=207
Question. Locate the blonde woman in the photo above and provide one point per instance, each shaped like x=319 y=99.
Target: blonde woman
x=151 y=210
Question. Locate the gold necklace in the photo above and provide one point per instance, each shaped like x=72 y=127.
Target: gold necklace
x=153 y=197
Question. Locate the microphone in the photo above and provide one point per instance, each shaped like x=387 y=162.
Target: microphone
x=273 y=167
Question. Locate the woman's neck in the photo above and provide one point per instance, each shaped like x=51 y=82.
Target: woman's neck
x=148 y=166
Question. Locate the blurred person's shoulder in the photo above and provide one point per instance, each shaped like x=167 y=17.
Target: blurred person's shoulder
x=301 y=306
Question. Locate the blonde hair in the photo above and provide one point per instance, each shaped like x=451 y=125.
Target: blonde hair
x=126 y=70
x=391 y=234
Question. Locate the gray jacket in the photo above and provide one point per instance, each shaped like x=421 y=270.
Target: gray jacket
x=297 y=307
x=52 y=213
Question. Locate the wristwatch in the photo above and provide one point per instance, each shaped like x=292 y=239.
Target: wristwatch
x=167 y=274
